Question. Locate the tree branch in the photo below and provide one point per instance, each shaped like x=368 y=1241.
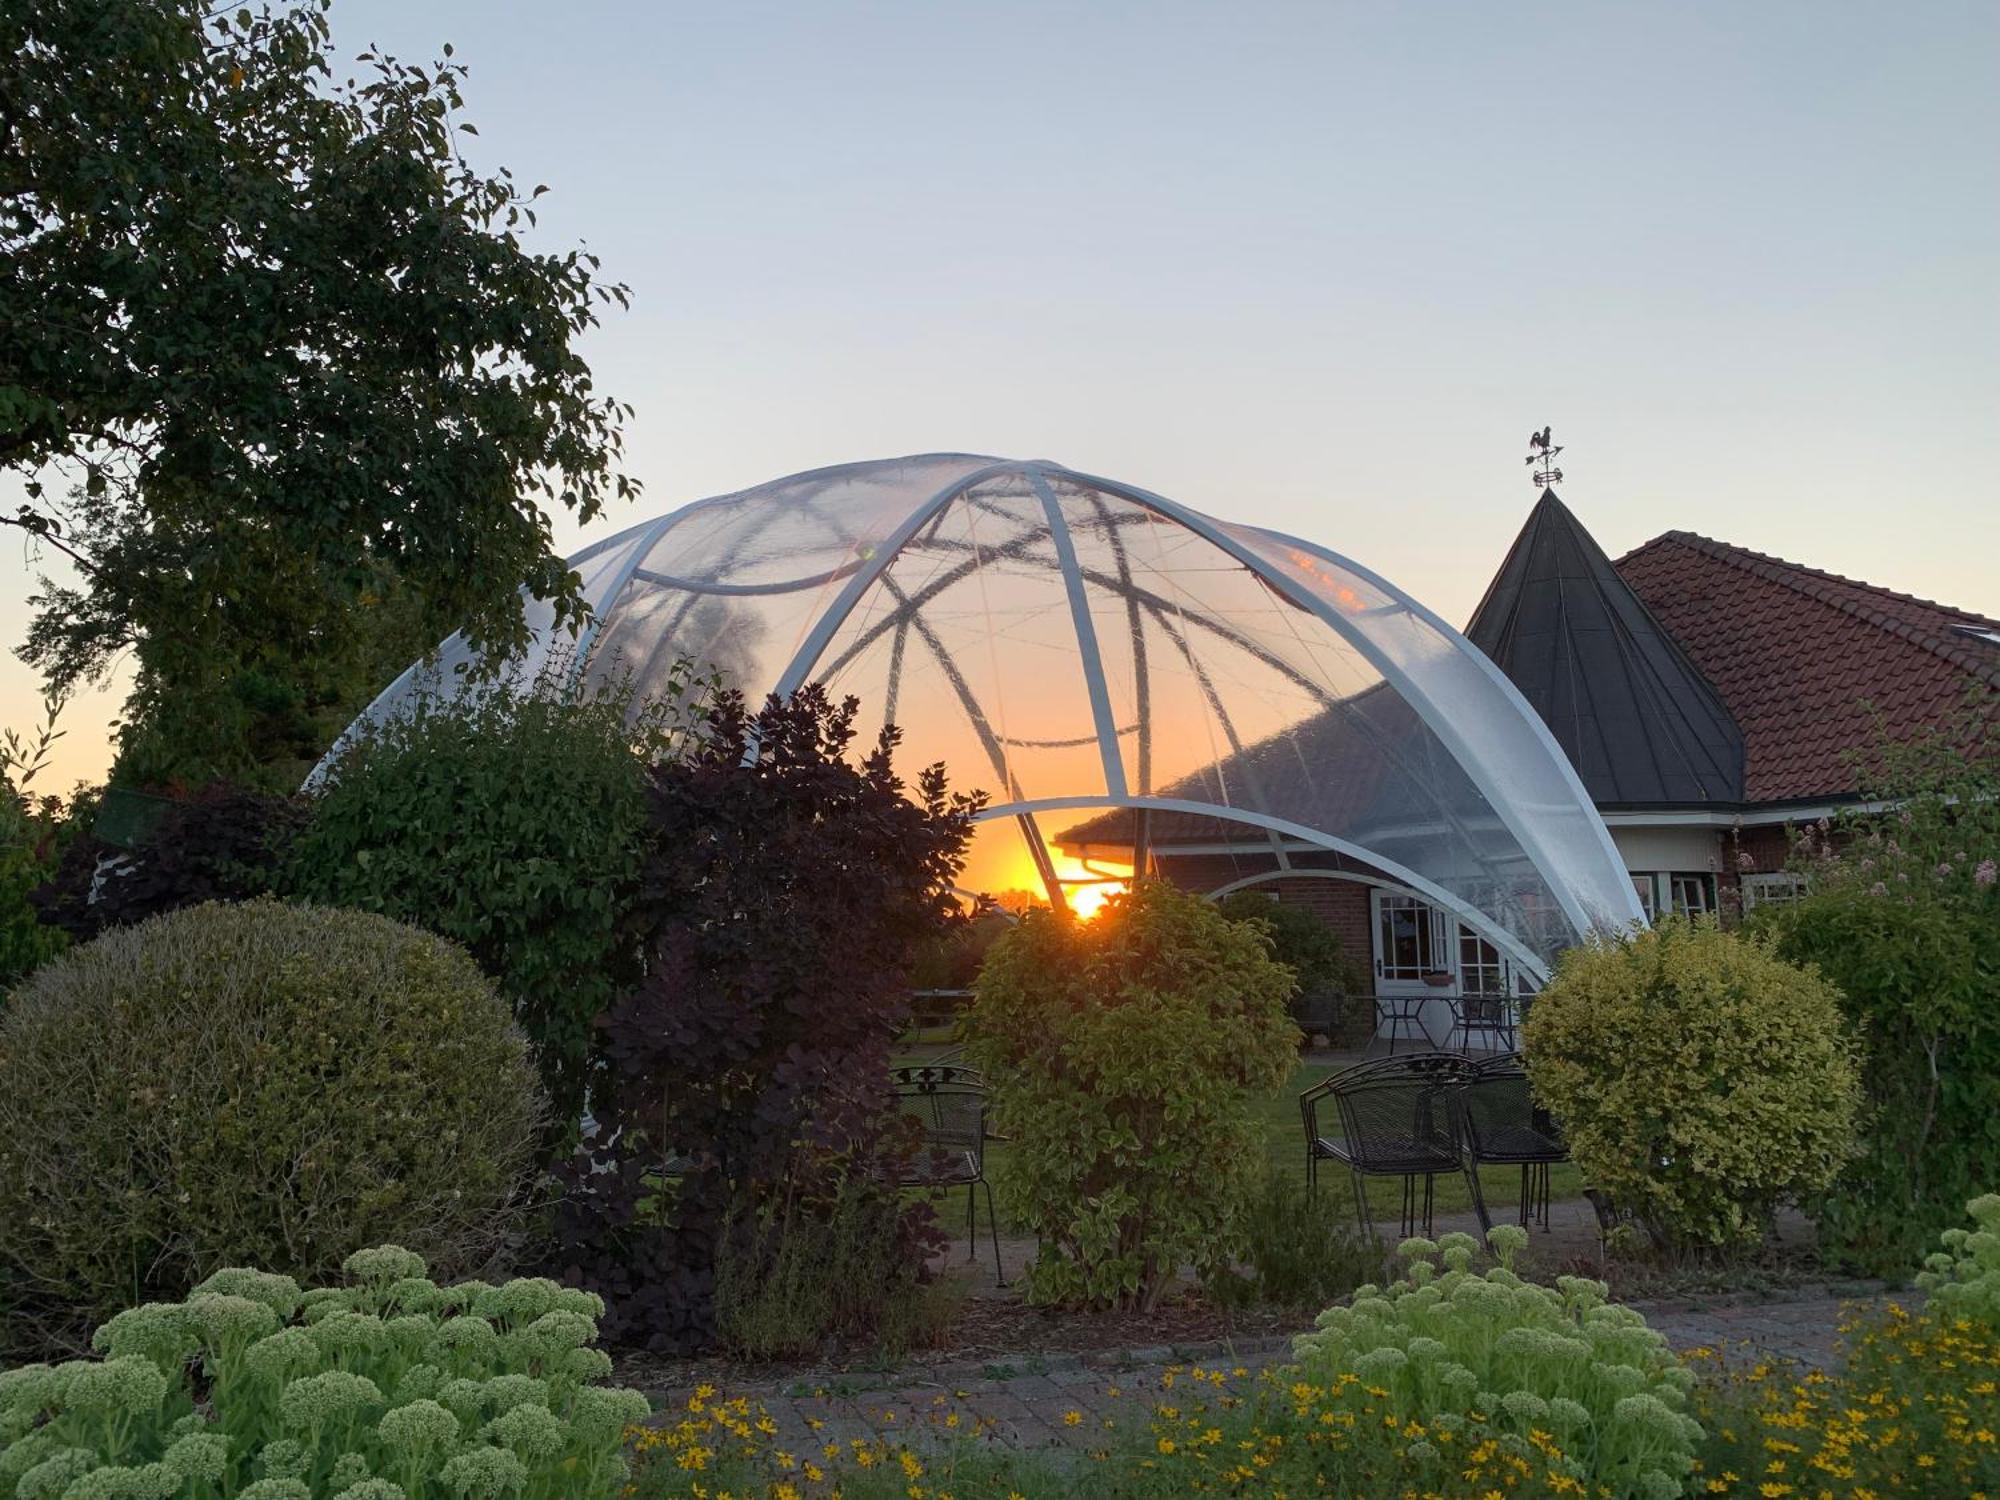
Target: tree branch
x=42 y=529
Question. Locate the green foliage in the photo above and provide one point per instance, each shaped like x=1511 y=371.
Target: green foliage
x=255 y=702
x=951 y=960
x=31 y=830
x=1302 y=941
x=221 y=843
x=258 y=1084
x=390 y=1387
x=1963 y=1279
x=1298 y=1248
x=513 y=823
x=1476 y=1357
x=802 y=1274
x=309 y=394
x=1699 y=1077
x=1902 y=912
x=1125 y=1054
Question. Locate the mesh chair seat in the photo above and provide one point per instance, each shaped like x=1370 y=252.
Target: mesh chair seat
x=939 y=1166
x=1512 y=1143
x=1388 y=1152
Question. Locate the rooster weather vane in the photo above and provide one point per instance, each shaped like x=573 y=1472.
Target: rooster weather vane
x=1543 y=452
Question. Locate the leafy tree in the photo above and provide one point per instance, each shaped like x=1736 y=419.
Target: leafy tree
x=787 y=892
x=31 y=829
x=516 y=824
x=1302 y=941
x=284 y=380
x=1901 y=910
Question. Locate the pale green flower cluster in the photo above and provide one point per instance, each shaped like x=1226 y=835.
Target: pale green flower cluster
x=1490 y=1356
x=388 y=1388
x=1963 y=1279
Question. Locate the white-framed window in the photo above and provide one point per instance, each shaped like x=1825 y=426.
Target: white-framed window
x=1693 y=892
x=1409 y=938
x=1481 y=969
x=1771 y=889
x=1414 y=939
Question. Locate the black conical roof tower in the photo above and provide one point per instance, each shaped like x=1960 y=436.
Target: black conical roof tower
x=1637 y=719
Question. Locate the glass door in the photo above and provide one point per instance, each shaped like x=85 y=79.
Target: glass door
x=1412 y=945
x=1415 y=967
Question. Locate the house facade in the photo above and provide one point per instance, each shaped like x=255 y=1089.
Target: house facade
x=1710 y=699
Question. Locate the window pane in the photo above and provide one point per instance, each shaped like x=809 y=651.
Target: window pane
x=1693 y=894
x=1643 y=884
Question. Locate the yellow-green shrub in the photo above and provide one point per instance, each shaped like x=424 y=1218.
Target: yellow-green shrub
x=1123 y=1054
x=1700 y=1078
x=254 y=1085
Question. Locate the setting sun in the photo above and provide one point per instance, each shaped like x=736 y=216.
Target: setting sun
x=1088 y=886
x=999 y=862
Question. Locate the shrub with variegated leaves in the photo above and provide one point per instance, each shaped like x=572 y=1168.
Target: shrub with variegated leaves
x=1492 y=1365
x=391 y=1387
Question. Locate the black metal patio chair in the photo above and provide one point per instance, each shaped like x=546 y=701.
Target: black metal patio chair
x=1396 y=1120
x=1483 y=1023
x=948 y=1102
x=1499 y=1123
x=1400 y=1018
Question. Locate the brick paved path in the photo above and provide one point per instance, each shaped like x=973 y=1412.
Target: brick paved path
x=1035 y=1401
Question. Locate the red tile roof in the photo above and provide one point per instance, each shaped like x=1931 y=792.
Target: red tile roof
x=1806 y=660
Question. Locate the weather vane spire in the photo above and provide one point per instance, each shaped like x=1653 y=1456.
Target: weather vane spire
x=1542 y=457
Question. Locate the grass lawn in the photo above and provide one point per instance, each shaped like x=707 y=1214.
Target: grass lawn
x=1283 y=1139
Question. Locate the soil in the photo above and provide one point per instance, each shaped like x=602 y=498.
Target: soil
x=991 y=1330
x=992 y=1326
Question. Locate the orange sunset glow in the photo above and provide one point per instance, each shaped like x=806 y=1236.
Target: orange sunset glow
x=999 y=861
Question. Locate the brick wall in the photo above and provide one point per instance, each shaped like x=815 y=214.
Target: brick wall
x=1341 y=904
x=1760 y=850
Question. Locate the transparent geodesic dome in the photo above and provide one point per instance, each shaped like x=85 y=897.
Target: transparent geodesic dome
x=1069 y=643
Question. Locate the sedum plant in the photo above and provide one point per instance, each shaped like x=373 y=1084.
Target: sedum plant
x=1477 y=1359
x=1963 y=1279
x=390 y=1387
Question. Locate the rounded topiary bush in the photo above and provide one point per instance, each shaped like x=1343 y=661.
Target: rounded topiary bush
x=1700 y=1078
x=257 y=1084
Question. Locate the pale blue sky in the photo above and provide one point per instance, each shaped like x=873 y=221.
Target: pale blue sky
x=1318 y=266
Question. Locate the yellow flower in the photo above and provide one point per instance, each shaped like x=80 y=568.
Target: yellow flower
x=1166 y=1445
x=1072 y=1418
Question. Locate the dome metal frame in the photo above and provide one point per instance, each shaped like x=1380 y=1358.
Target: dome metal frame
x=1463 y=703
